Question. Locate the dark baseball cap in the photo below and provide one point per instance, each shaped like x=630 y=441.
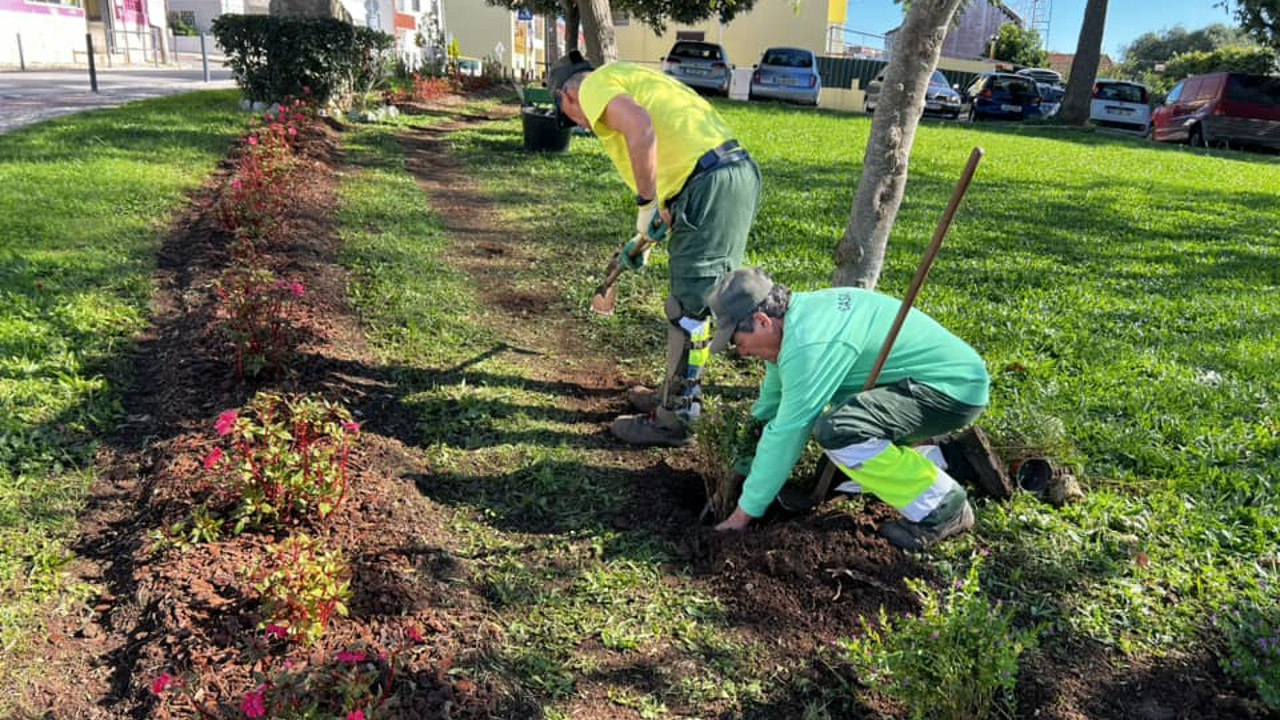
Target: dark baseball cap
x=570 y=64
x=735 y=299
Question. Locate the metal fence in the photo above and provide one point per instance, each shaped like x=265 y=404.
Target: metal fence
x=850 y=73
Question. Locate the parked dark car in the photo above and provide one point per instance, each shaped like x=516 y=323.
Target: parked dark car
x=786 y=73
x=939 y=99
x=1003 y=96
x=700 y=65
x=1221 y=109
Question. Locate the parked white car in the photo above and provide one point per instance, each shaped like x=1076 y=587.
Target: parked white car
x=1122 y=105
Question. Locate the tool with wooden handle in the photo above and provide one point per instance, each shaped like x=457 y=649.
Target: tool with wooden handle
x=797 y=502
x=606 y=295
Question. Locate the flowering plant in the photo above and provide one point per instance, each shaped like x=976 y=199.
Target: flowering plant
x=302 y=586
x=288 y=458
x=1252 y=633
x=254 y=308
x=957 y=660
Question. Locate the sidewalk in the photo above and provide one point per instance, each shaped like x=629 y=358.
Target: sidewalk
x=36 y=95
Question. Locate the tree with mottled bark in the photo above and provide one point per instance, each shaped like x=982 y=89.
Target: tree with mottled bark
x=860 y=254
x=1084 y=67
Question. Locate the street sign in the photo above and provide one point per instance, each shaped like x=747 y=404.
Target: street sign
x=524 y=15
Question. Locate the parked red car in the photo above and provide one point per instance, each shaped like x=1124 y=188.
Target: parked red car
x=1221 y=110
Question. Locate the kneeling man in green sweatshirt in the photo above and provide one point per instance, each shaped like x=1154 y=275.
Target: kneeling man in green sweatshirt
x=818 y=348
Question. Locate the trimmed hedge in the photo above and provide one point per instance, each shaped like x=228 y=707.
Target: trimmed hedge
x=275 y=57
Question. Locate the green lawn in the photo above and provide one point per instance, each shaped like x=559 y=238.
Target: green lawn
x=1122 y=293
x=83 y=203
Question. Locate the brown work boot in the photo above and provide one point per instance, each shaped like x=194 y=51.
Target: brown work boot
x=947 y=520
x=643 y=399
x=651 y=430
x=971 y=459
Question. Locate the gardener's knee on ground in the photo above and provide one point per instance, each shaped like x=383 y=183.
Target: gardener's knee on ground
x=833 y=435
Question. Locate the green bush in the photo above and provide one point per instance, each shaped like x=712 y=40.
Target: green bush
x=273 y=58
x=957 y=660
x=1252 y=656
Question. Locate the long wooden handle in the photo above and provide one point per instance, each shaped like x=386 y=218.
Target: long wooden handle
x=828 y=473
x=615 y=267
x=925 y=264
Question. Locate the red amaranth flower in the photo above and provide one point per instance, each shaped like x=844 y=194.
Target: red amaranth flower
x=254 y=705
x=279 y=631
x=213 y=458
x=351 y=426
x=161 y=683
x=355 y=715
x=226 y=422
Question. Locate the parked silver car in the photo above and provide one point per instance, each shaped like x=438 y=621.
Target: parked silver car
x=786 y=73
x=700 y=65
x=939 y=99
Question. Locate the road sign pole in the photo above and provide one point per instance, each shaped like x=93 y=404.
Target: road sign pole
x=22 y=60
x=204 y=58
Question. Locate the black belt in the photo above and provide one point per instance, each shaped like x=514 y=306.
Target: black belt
x=720 y=156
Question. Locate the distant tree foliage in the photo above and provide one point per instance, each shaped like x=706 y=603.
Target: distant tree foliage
x=1019 y=46
x=1253 y=60
x=654 y=13
x=1151 y=49
x=1261 y=19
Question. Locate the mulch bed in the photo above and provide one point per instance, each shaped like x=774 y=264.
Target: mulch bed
x=801 y=584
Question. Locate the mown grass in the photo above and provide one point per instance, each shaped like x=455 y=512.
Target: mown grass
x=1123 y=295
x=83 y=203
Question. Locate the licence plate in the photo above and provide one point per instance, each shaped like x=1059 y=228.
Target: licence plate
x=787 y=80
x=695 y=71
x=932 y=106
x=1120 y=111
x=1011 y=108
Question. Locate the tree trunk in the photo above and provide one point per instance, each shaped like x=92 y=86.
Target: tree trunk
x=572 y=22
x=1084 y=67
x=860 y=253
x=597 y=23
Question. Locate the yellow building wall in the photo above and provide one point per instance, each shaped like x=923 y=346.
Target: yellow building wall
x=479 y=27
x=771 y=23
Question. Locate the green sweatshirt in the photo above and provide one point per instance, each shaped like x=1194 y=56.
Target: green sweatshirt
x=830 y=340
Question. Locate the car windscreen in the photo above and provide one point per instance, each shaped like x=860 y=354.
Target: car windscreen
x=1121 y=92
x=788 y=58
x=697 y=51
x=939 y=79
x=1255 y=89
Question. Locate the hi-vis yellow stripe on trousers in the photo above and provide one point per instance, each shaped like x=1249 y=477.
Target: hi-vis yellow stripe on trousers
x=900 y=476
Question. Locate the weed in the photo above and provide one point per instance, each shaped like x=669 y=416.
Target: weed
x=1252 y=656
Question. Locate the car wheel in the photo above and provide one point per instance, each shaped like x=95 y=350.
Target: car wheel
x=1196 y=137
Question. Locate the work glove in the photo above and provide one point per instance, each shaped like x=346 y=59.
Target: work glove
x=649 y=221
x=625 y=259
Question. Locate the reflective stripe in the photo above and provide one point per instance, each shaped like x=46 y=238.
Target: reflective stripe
x=699 y=345
x=900 y=476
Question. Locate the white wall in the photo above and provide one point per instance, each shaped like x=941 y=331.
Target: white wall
x=46 y=39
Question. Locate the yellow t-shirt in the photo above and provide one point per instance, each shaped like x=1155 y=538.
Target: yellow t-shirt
x=685 y=124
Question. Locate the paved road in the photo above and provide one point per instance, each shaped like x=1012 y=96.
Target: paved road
x=28 y=97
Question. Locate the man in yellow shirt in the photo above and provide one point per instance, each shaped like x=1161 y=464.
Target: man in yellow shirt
x=680 y=159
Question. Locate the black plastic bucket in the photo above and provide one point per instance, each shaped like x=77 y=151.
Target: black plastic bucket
x=542 y=132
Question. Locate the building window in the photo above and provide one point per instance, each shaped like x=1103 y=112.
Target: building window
x=621 y=18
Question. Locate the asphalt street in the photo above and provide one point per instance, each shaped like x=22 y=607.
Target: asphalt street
x=32 y=96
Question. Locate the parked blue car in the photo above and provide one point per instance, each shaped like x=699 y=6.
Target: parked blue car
x=789 y=74
x=1003 y=96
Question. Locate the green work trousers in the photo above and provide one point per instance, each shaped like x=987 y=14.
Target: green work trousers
x=903 y=413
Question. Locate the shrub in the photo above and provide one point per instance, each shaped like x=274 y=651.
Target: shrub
x=1252 y=631
x=253 y=306
x=288 y=458
x=274 y=57
x=302 y=586
x=727 y=436
x=958 y=660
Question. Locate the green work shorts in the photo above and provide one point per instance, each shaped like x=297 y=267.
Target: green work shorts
x=710 y=219
x=904 y=412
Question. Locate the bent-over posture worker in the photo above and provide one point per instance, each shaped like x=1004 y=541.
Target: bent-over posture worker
x=818 y=348
x=681 y=160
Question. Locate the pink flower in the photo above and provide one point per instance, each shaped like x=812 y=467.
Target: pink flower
x=236 y=183
x=213 y=458
x=268 y=117
x=253 y=139
x=296 y=289
x=416 y=635
x=351 y=426
x=355 y=715
x=159 y=685
x=226 y=422
x=350 y=656
x=278 y=631
x=254 y=705
x=292 y=131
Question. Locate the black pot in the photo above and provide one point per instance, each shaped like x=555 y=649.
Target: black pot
x=542 y=131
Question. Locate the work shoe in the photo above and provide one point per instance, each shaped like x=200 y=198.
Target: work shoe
x=648 y=430
x=903 y=533
x=971 y=459
x=643 y=399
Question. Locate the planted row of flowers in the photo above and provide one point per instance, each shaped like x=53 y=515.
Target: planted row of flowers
x=279 y=465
